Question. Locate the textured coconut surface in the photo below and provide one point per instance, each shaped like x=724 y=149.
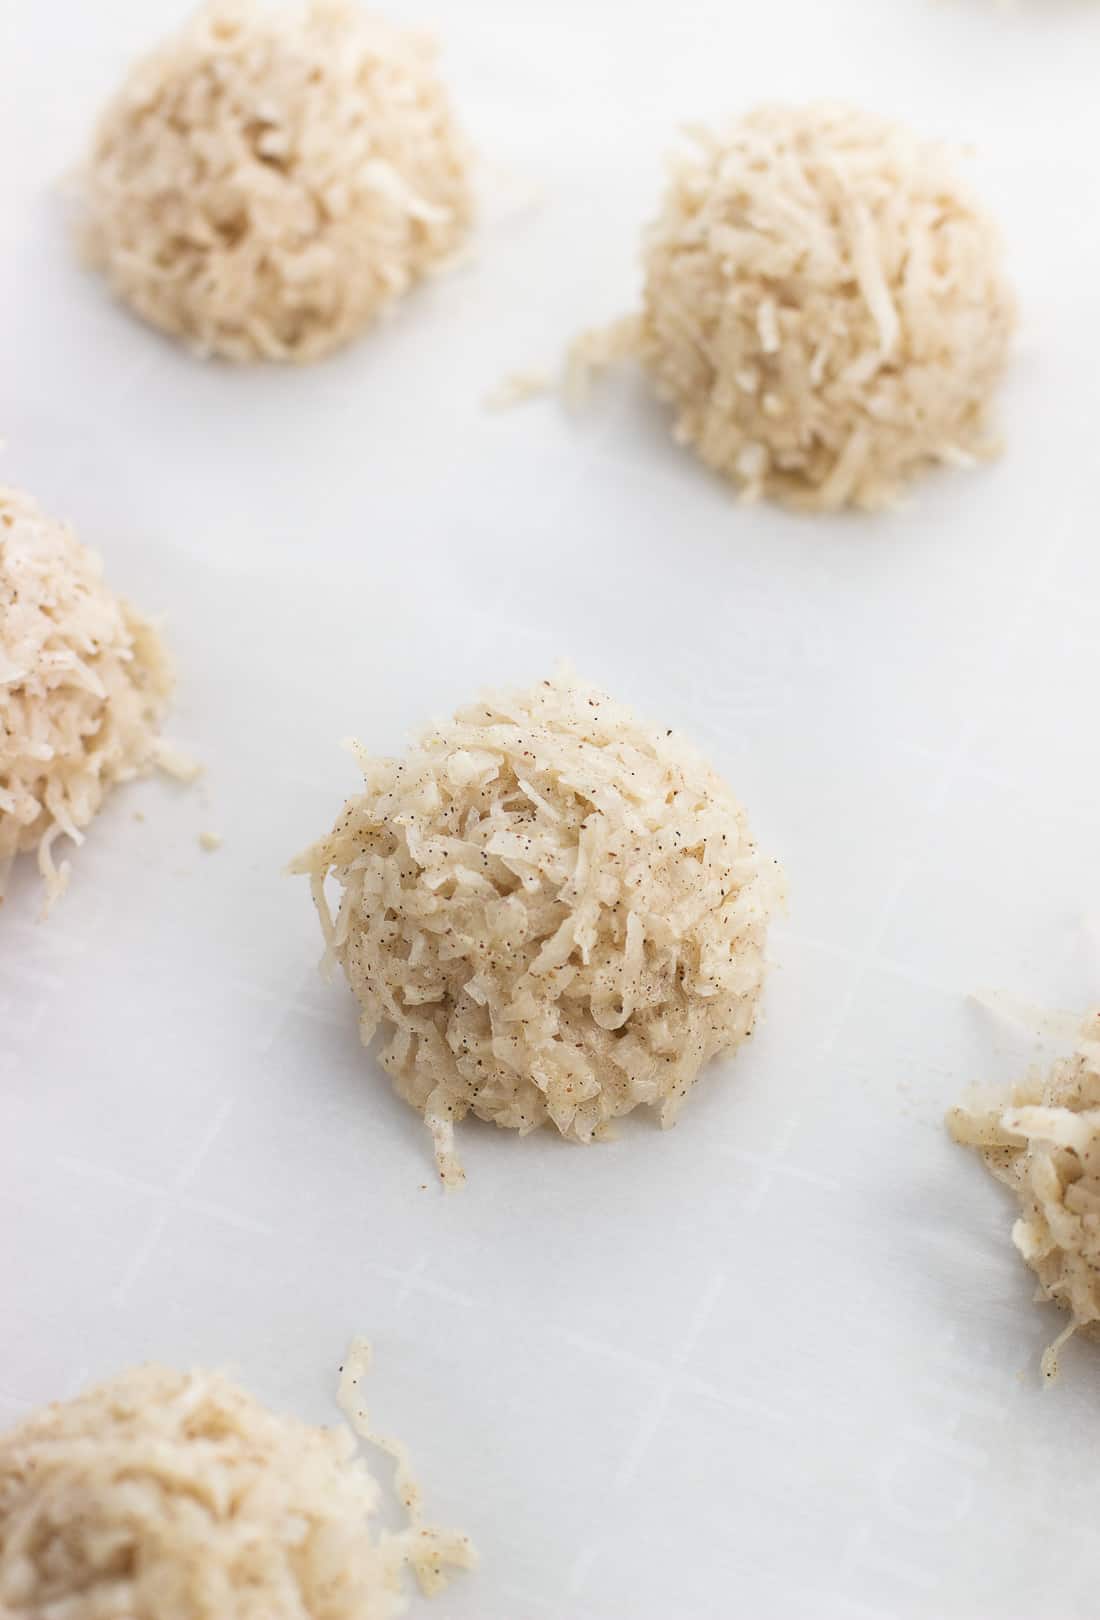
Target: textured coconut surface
x=784 y=1353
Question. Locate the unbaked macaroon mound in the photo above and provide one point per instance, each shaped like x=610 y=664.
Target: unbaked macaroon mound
x=555 y=915
x=824 y=307
x=83 y=684
x=273 y=178
x=1042 y=1139
x=163 y=1495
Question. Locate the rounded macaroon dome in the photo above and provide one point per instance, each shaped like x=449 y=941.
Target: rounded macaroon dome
x=555 y=915
x=165 y=1495
x=270 y=181
x=84 y=682
x=824 y=307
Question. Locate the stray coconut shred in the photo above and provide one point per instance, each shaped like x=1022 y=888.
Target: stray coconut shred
x=432 y=1554
x=556 y=915
x=1042 y=1140
x=84 y=681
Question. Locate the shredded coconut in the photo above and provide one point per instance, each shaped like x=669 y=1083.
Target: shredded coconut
x=431 y=1553
x=1046 y=1023
x=1043 y=1141
x=517 y=387
x=163 y=1495
x=83 y=683
x=824 y=307
x=271 y=180
x=554 y=914
x=174 y=762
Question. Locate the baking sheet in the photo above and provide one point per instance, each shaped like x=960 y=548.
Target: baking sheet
x=780 y=1361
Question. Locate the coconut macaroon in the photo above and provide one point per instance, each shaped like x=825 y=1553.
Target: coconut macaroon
x=83 y=684
x=164 y=1495
x=1042 y=1140
x=824 y=307
x=272 y=179
x=554 y=914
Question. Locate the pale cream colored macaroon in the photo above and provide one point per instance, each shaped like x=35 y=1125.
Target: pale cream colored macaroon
x=555 y=913
x=165 y=1495
x=274 y=177
x=824 y=307
x=1042 y=1139
x=84 y=682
